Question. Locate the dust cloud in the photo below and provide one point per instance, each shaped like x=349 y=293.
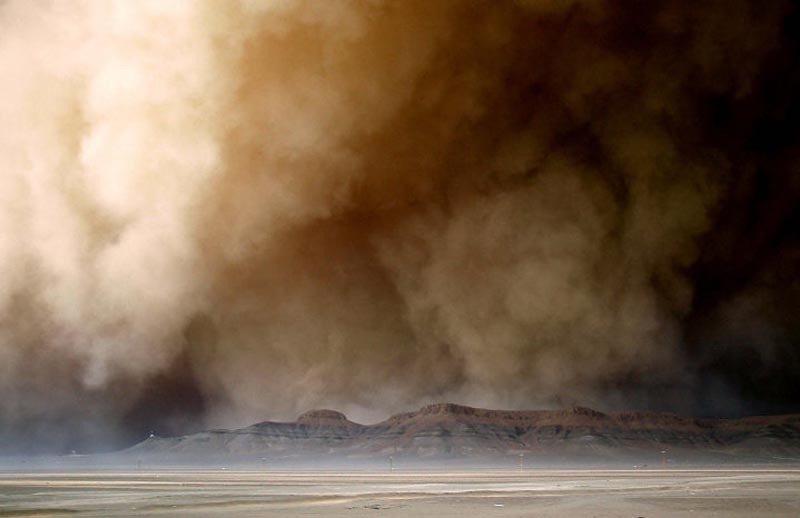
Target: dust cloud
x=215 y=212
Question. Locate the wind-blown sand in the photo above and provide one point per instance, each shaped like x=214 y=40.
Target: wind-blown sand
x=540 y=492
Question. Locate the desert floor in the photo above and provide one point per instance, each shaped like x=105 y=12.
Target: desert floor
x=530 y=492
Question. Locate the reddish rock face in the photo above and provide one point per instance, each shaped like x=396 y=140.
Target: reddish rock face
x=322 y=415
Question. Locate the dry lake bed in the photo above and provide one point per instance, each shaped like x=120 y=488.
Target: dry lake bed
x=485 y=493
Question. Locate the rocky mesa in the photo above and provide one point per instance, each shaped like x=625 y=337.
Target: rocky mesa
x=450 y=430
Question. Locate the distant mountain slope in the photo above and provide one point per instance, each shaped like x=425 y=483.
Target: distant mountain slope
x=449 y=430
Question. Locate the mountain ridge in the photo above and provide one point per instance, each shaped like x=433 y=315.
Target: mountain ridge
x=452 y=430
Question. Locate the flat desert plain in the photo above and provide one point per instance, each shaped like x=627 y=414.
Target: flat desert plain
x=485 y=493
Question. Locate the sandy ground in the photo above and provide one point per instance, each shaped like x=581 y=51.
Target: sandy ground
x=547 y=492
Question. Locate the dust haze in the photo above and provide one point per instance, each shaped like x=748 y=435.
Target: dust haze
x=217 y=212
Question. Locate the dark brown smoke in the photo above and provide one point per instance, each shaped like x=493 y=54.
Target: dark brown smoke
x=217 y=212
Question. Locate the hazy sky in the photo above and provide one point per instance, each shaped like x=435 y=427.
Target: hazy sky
x=218 y=212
